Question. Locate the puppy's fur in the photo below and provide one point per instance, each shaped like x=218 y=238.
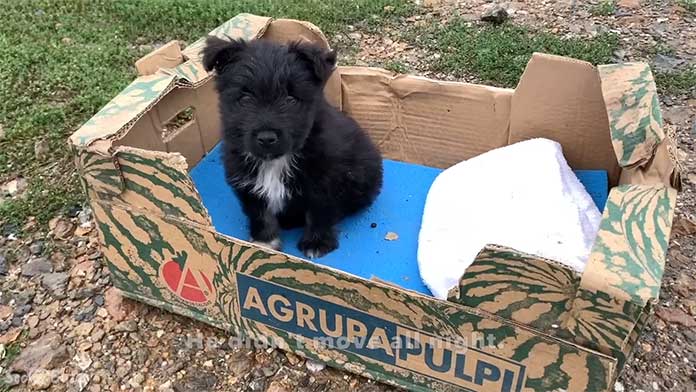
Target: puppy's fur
x=292 y=158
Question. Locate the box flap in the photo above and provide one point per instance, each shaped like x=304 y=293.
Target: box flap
x=425 y=121
x=561 y=99
x=634 y=113
x=517 y=286
x=167 y=56
x=628 y=256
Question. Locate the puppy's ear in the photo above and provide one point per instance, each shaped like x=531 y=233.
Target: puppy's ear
x=219 y=52
x=319 y=60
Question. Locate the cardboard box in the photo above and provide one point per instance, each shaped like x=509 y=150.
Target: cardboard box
x=551 y=329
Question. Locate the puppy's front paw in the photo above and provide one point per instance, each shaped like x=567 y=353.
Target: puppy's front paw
x=316 y=245
x=272 y=244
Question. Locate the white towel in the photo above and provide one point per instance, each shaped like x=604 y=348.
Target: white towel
x=524 y=196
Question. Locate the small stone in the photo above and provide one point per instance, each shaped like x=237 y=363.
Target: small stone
x=41 y=379
x=22 y=310
x=4 y=268
x=256 y=385
x=655 y=386
x=85 y=216
x=292 y=358
x=618 y=387
x=83 y=361
x=355 y=36
x=56 y=284
x=646 y=347
x=97 y=335
x=63 y=229
x=45 y=353
x=83 y=293
x=494 y=13
x=314 y=366
x=114 y=304
x=24 y=297
x=165 y=387
x=125 y=350
x=99 y=300
x=36 y=248
x=675 y=316
x=36 y=266
x=84 y=329
x=13 y=379
x=276 y=387
x=126 y=326
x=41 y=149
x=33 y=321
x=159 y=333
x=391 y=236
x=66 y=40
x=629 y=4
x=124 y=370
x=5 y=312
x=136 y=380
x=14 y=187
x=664 y=63
x=81 y=381
x=239 y=364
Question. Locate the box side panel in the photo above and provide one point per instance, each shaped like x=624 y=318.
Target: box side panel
x=520 y=287
x=561 y=99
x=298 y=305
x=426 y=121
x=624 y=271
x=159 y=183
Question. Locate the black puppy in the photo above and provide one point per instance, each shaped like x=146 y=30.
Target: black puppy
x=292 y=158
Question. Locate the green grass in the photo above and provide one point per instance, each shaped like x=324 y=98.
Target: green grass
x=604 y=8
x=498 y=55
x=12 y=350
x=677 y=82
x=63 y=60
x=689 y=5
x=396 y=66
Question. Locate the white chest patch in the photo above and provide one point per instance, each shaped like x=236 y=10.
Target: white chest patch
x=270 y=182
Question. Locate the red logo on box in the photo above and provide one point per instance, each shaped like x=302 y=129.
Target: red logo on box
x=191 y=285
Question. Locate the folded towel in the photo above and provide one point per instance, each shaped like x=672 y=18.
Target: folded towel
x=524 y=196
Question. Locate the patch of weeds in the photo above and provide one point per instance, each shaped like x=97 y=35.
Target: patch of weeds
x=689 y=5
x=12 y=350
x=677 y=82
x=498 y=55
x=604 y=8
x=662 y=48
x=396 y=66
x=63 y=60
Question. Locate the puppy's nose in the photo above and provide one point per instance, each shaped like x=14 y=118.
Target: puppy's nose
x=267 y=138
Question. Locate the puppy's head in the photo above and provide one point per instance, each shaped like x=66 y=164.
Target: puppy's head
x=269 y=93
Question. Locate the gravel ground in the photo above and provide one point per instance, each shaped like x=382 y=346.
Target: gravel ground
x=69 y=329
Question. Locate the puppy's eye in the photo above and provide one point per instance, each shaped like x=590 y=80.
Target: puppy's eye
x=246 y=99
x=290 y=100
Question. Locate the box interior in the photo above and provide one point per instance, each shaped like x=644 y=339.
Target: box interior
x=364 y=248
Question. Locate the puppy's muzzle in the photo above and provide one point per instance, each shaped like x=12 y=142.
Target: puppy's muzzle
x=267 y=139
